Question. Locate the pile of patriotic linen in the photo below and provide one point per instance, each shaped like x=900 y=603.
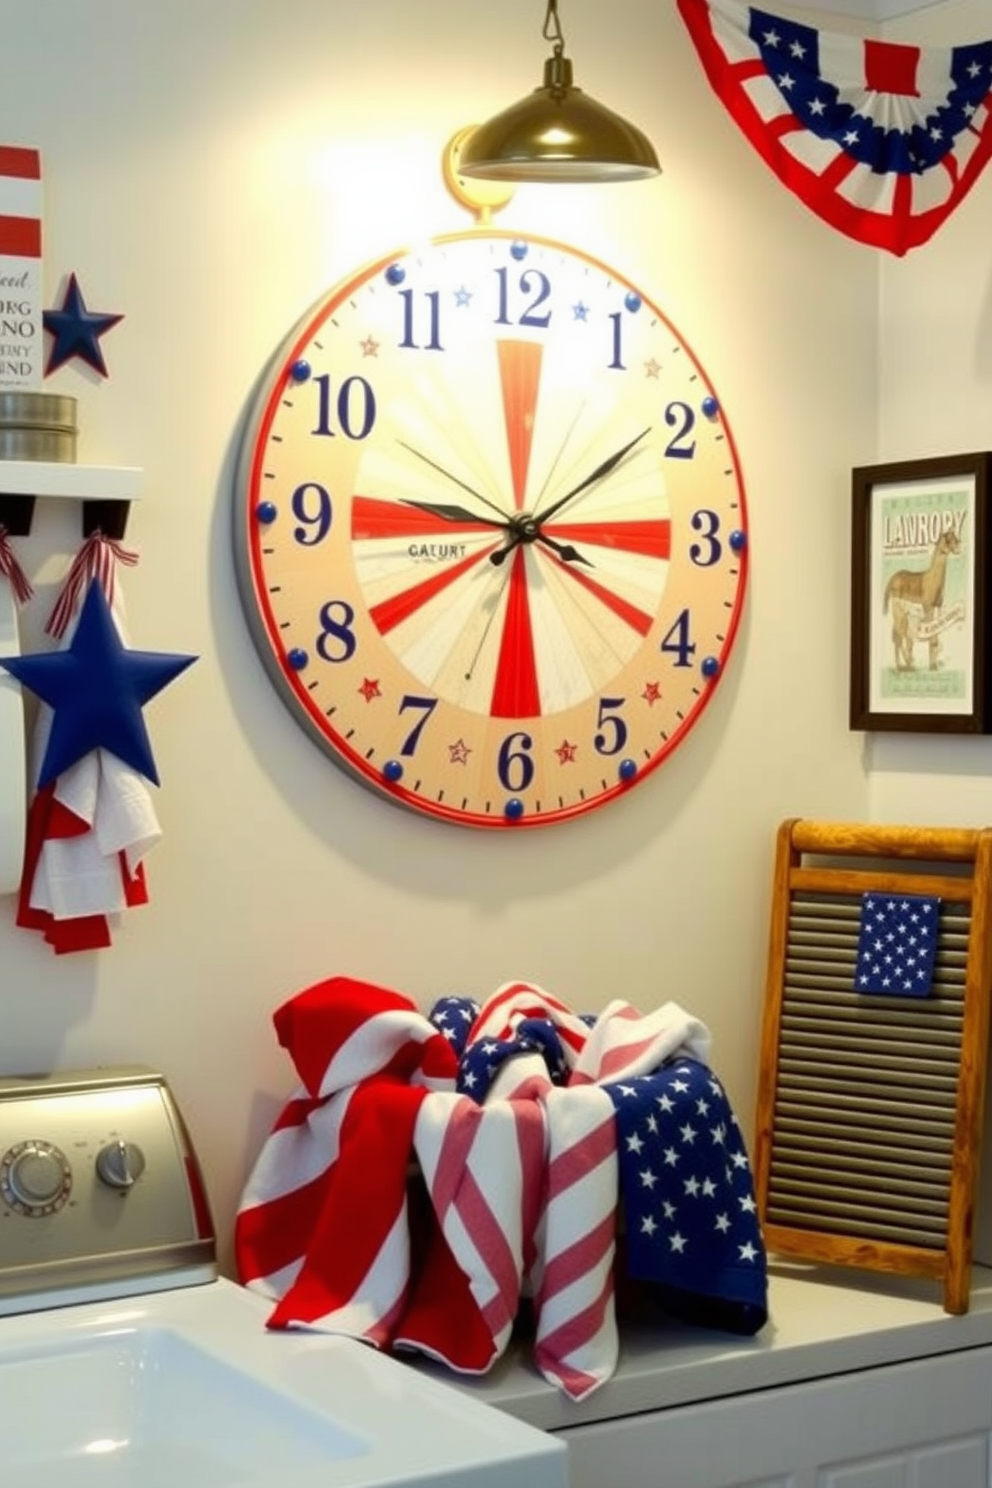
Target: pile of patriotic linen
x=432 y=1172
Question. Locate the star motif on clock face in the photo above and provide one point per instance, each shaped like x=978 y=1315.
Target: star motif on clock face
x=652 y=368
x=463 y=297
x=76 y=331
x=370 y=689
x=458 y=752
x=370 y=347
x=651 y=693
x=580 y=311
x=566 y=752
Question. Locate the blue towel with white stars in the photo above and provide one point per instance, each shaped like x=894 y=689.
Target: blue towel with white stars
x=687 y=1195
x=479 y=1062
x=692 y=1234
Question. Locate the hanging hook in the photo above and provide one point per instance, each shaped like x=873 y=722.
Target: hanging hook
x=552 y=28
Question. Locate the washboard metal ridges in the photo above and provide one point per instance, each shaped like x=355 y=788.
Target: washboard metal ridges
x=870 y=1108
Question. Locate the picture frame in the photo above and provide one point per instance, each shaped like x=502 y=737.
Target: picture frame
x=919 y=595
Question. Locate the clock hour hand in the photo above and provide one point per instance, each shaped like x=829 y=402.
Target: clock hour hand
x=605 y=468
x=451 y=512
x=565 y=551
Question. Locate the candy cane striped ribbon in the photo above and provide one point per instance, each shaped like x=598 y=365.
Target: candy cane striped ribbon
x=12 y=570
x=96 y=559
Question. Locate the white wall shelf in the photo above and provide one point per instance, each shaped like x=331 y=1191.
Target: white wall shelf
x=106 y=492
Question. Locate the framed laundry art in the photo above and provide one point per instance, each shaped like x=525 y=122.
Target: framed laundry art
x=919 y=605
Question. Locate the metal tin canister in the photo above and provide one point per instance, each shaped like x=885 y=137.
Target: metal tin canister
x=38 y=426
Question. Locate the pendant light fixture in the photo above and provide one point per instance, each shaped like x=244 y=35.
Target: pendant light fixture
x=557 y=133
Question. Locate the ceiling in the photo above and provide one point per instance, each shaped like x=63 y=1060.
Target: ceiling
x=866 y=10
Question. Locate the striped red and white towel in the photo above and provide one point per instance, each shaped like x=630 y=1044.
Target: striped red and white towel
x=520 y=1179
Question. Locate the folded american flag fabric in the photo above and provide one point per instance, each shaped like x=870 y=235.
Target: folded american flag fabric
x=509 y=1111
x=881 y=139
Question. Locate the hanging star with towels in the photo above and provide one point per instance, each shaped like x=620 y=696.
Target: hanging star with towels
x=96 y=689
x=77 y=331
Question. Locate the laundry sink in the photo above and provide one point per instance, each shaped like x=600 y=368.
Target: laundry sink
x=187 y=1387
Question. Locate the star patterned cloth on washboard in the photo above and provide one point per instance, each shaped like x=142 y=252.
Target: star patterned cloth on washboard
x=897 y=944
x=882 y=140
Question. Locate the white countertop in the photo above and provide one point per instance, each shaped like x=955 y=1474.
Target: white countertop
x=822 y=1321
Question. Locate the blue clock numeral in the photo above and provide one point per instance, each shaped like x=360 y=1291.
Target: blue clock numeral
x=608 y=719
x=617 y=364
x=355 y=396
x=315 y=516
x=681 y=647
x=433 y=343
x=532 y=281
x=413 y=737
x=337 y=617
x=707 y=524
x=680 y=417
x=515 y=765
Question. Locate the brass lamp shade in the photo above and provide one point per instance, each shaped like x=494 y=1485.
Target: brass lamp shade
x=558 y=133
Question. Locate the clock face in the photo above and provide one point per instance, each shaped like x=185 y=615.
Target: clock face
x=491 y=531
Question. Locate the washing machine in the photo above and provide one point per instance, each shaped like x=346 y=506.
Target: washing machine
x=127 y=1361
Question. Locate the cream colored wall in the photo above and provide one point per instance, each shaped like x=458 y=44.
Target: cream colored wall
x=210 y=170
x=935 y=397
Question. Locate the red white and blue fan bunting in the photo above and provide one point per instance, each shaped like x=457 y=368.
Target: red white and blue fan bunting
x=880 y=139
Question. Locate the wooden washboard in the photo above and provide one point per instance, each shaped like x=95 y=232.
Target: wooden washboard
x=870 y=1108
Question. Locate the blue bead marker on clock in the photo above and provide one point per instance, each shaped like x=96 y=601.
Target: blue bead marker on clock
x=297 y=658
x=300 y=370
x=266 y=512
x=627 y=769
x=710 y=666
x=738 y=540
x=514 y=809
x=392 y=771
x=395 y=274
x=710 y=406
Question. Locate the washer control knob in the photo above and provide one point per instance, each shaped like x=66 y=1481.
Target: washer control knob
x=120 y=1164
x=35 y=1178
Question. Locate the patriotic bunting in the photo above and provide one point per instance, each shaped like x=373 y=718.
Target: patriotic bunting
x=880 y=139
x=897 y=944
x=517 y=1117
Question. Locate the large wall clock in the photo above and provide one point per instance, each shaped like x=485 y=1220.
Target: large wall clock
x=491 y=534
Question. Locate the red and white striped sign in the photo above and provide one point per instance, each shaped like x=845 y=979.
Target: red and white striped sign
x=21 y=323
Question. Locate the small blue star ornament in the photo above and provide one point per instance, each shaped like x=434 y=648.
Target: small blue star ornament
x=76 y=331
x=96 y=688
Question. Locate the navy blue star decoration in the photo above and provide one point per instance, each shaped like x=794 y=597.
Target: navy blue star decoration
x=96 y=688
x=76 y=331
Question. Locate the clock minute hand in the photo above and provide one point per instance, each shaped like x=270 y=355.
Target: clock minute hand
x=600 y=473
x=449 y=476
x=451 y=513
